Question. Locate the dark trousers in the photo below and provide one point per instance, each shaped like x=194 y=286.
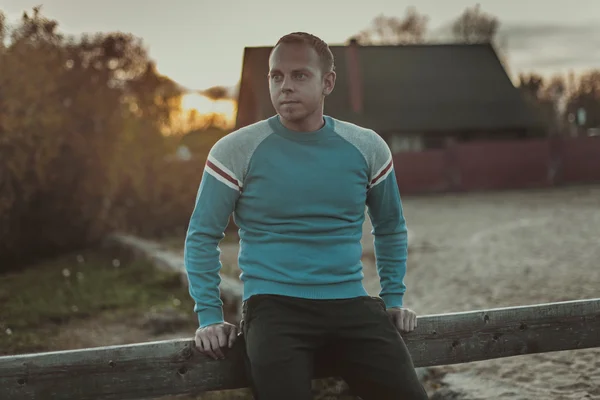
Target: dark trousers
x=287 y=337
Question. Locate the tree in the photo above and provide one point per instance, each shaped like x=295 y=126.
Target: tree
x=215 y=94
x=475 y=26
x=548 y=97
x=80 y=136
x=559 y=99
x=2 y=30
x=531 y=85
x=586 y=96
x=395 y=31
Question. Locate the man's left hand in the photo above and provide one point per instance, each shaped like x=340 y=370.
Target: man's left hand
x=404 y=319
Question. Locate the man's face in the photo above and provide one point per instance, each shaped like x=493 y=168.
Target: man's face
x=296 y=81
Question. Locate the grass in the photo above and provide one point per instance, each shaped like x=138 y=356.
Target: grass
x=41 y=299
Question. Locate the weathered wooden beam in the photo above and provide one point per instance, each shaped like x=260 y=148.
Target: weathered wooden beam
x=149 y=370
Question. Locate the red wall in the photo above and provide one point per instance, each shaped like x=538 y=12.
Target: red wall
x=423 y=172
x=580 y=159
x=494 y=165
x=509 y=164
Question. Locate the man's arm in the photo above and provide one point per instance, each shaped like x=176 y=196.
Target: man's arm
x=389 y=227
x=215 y=202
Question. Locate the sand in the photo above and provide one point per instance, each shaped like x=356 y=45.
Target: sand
x=487 y=250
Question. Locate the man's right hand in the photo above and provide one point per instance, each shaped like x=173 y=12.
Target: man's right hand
x=210 y=339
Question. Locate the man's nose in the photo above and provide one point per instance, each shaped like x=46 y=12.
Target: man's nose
x=287 y=84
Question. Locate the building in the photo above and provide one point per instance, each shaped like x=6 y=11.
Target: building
x=415 y=96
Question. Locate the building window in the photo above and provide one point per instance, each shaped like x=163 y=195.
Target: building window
x=405 y=142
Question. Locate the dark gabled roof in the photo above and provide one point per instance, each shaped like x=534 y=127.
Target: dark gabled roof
x=408 y=88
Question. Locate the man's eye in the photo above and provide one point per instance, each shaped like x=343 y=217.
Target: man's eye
x=300 y=75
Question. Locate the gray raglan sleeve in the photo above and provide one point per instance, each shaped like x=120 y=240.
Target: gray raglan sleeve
x=221 y=186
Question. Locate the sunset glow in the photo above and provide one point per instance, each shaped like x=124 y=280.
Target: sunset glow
x=205 y=106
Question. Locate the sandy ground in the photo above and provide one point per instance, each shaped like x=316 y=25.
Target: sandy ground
x=474 y=251
x=488 y=250
x=500 y=249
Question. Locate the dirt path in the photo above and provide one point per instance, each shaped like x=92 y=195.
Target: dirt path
x=476 y=251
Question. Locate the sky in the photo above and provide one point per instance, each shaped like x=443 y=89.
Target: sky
x=200 y=43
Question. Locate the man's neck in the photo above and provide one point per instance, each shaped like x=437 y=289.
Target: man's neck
x=311 y=123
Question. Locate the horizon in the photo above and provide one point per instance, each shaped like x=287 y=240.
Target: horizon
x=548 y=39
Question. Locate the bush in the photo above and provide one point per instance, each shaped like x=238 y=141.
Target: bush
x=82 y=143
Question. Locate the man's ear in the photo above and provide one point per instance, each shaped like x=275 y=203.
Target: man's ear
x=329 y=83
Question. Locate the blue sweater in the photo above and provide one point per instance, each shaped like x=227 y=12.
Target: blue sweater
x=299 y=201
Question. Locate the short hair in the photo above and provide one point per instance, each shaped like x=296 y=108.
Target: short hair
x=322 y=49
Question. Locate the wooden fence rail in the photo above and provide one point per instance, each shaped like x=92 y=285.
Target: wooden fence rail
x=150 y=370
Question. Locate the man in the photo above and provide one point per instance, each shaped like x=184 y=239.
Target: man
x=297 y=184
